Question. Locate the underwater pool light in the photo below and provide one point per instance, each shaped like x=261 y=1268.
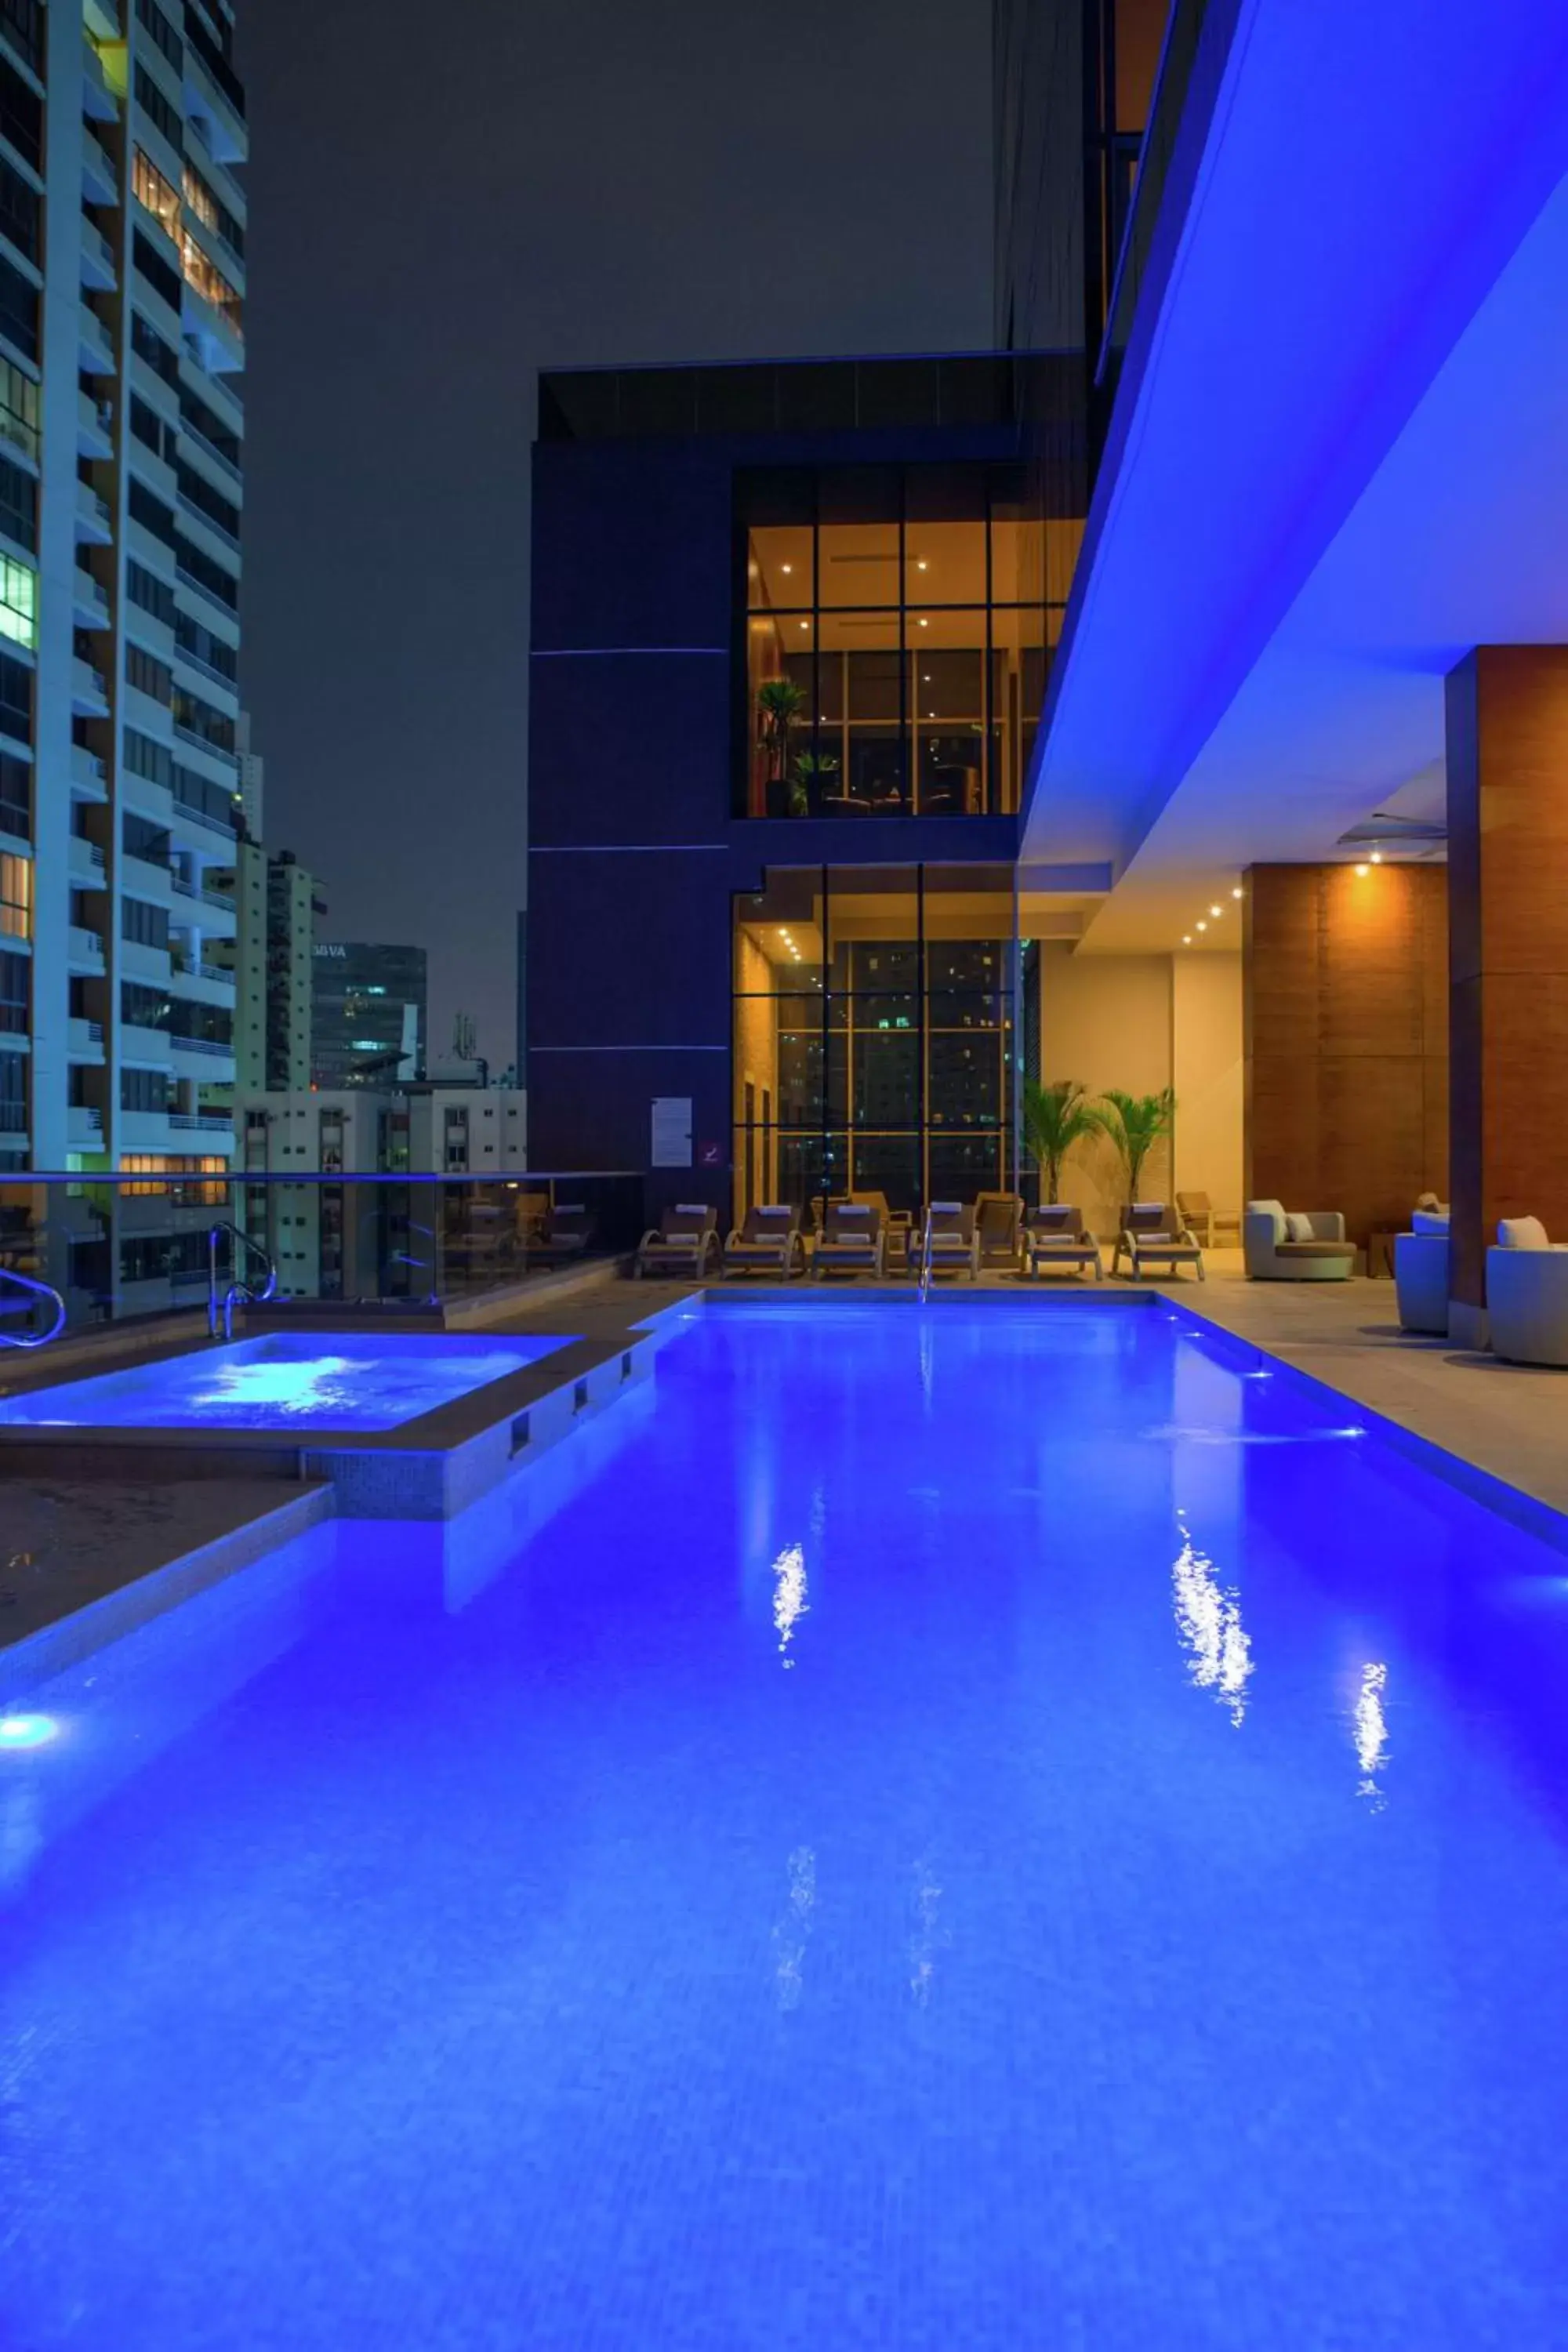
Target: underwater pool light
x=26 y=1730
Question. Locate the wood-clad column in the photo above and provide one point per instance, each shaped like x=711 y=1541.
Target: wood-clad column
x=1507 y=891
x=1345 y=1043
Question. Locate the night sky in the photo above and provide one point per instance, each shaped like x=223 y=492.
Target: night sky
x=444 y=197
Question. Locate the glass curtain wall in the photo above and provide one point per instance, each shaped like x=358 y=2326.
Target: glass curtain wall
x=875 y=1037
x=899 y=623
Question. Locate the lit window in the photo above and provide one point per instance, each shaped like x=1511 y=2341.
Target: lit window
x=161 y=197
x=18 y=601
x=210 y=282
x=16 y=897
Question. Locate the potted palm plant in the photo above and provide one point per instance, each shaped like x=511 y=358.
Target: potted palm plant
x=1136 y=1124
x=1056 y=1116
x=780 y=701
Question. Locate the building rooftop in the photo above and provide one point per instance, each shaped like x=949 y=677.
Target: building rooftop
x=973 y=388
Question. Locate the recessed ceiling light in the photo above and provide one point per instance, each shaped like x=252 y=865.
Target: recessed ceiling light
x=1216 y=912
x=1187 y=939
x=1377 y=857
x=1201 y=927
x=1238 y=892
x=922 y=564
x=925 y=625
x=1364 y=871
x=805 y=625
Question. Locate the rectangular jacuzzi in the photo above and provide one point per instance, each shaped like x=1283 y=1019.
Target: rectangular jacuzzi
x=293 y=1382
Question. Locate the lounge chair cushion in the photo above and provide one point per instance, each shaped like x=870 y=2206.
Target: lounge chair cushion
x=1522 y=1234
x=1314 y=1249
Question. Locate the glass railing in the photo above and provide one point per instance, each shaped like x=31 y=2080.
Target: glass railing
x=459 y=1249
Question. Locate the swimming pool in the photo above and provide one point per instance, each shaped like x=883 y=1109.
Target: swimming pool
x=333 y=1381
x=981 y=1828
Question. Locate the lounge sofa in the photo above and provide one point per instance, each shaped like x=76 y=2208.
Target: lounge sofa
x=1295 y=1245
x=1527 y=1294
x=1421 y=1272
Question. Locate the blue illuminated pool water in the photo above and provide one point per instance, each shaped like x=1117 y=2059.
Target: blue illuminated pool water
x=979 y=1829
x=331 y=1379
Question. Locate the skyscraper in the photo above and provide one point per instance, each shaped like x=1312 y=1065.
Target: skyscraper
x=369 y=1015
x=121 y=428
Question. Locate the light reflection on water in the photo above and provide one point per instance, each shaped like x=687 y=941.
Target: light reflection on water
x=790 y=1604
x=1372 y=1734
x=1208 y=1619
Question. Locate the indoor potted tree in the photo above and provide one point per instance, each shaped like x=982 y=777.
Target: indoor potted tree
x=1058 y=1116
x=780 y=701
x=1135 y=1123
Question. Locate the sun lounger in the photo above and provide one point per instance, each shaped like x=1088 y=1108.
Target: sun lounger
x=1151 y=1235
x=998 y=1220
x=950 y=1242
x=851 y=1241
x=567 y=1230
x=685 y=1241
x=769 y=1241
x=1057 y=1236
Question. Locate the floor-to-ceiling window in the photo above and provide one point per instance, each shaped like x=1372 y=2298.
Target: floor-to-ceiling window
x=874 y=1034
x=899 y=623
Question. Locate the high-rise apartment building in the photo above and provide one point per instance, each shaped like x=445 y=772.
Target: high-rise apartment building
x=121 y=431
x=272 y=960
x=369 y=1019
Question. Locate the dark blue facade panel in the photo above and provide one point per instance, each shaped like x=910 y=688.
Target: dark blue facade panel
x=628 y=747
x=595 y=1110
x=631 y=546
x=628 y=950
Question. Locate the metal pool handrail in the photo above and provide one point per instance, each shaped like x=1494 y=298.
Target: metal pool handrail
x=36 y=1290
x=238 y=1287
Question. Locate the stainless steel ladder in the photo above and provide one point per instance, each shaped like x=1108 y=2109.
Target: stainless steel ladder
x=221 y=1310
x=25 y=1282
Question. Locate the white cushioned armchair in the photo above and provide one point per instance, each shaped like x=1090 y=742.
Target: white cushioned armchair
x=1295 y=1245
x=1527 y=1294
x=1421 y=1272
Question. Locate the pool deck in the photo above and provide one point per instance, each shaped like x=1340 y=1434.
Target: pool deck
x=75 y=1554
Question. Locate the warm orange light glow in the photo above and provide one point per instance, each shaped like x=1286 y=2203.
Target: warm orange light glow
x=1364 y=871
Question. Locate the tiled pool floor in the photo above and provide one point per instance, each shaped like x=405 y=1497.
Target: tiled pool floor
x=966 y=1831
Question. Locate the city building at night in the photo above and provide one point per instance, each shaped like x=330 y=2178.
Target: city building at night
x=368 y=1018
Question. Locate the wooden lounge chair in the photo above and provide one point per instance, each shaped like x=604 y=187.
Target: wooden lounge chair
x=896 y=1231
x=769 y=1241
x=852 y=1240
x=950 y=1242
x=1207 y=1223
x=998 y=1221
x=1058 y=1236
x=685 y=1241
x=1151 y=1235
x=567 y=1230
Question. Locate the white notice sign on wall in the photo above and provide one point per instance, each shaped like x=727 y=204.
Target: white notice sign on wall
x=671 y=1143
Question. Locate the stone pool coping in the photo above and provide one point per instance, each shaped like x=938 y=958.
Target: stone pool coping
x=84 y=1565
